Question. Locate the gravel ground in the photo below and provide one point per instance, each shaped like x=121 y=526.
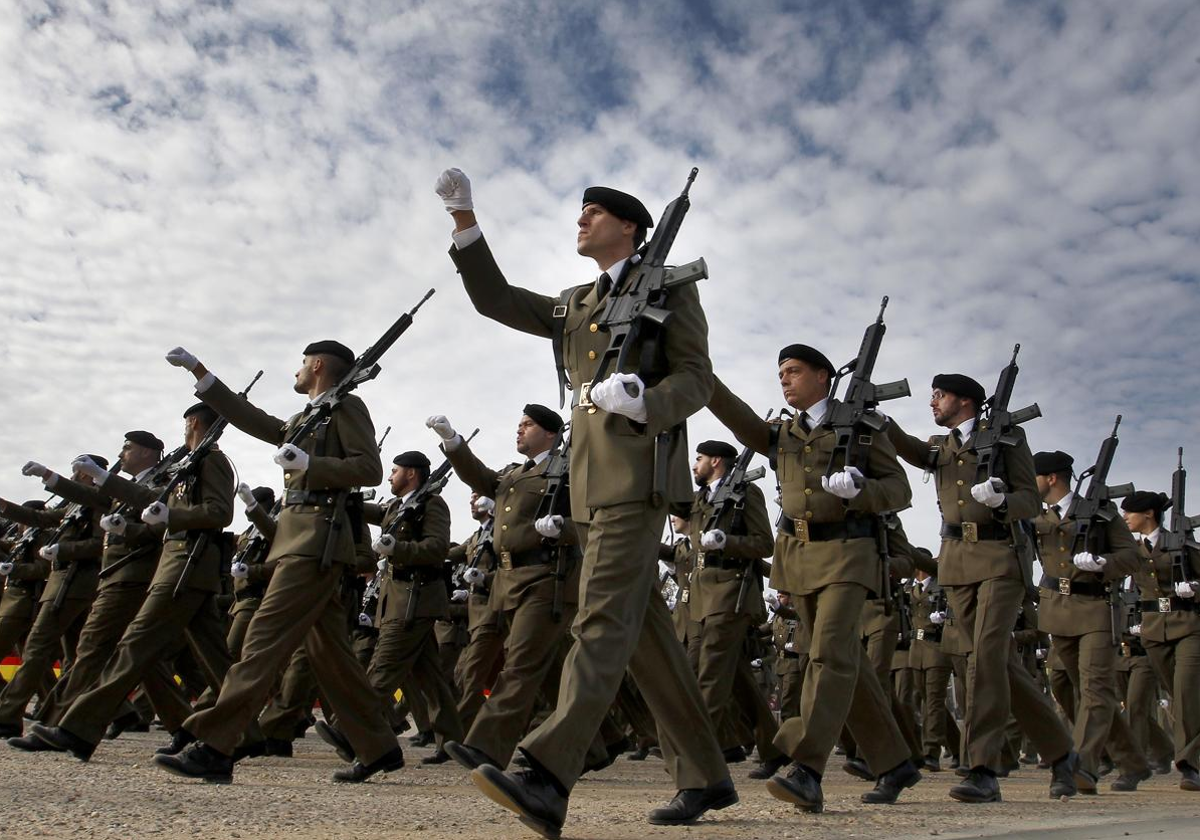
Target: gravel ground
x=121 y=794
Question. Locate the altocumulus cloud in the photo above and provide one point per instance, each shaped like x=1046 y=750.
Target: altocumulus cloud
x=241 y=178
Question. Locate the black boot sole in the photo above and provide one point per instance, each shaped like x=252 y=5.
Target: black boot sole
x=786 y=794
x=500 y=797
x=210 y=778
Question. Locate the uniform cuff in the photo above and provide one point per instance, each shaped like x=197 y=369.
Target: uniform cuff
x=463 y=238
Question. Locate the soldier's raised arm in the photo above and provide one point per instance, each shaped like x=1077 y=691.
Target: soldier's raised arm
x=236 y=409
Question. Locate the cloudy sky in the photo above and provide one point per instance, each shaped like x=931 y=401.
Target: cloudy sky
x=244 y=177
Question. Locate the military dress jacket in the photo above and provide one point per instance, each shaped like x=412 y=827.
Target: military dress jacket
x=1154 y=581
x=24 y=583
x=925 y=651
x=248 y=592
x=518 y=494
x=138 y=541
x=79 y=545
x=417 y=563
x=479 y=612
x=786 y=629
x=611 y=455
x=801 y=566
x=1061 y=611
x=714 y=583
x=342 y=455
x=962 y=561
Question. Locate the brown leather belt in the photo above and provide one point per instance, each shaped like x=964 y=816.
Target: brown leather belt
x=1066 y=586
x=848 y=529
x=1171 y=604
x=976 y=532
x=509 y=560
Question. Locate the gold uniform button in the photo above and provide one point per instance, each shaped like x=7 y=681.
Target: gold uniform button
x=808 y=514
x=591 y=354
x=808 y=449
x=591 y=411
x=961 y=503
x=508 y=510
x=960 y=463
x=808 y=469
x=593 y=328
x=960 y=482
x=503 y=527
x=510 y=489
x=807 y=491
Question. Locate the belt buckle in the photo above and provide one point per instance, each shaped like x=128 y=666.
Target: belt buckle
x=585 y=396
x=1124 y=648
x=970 y=532
x=801 y=528
x=700 y=560
x=1064 y=586
x=684 y=596
x=921 y=635
x=1164 y=605
x=506 y=561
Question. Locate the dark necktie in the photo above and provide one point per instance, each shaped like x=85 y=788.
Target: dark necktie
x=603 y=286
x=957 y=437
x=805 y=425
x=529 y=464
x=1057 y=511
x=1149 y=545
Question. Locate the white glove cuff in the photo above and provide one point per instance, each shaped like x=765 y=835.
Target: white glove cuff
x=205 y=382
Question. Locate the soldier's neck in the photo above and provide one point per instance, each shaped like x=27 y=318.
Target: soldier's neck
x=606 y=261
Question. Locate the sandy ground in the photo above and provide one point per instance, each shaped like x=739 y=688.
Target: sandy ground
x=121 y=794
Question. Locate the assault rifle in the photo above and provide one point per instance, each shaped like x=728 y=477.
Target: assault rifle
x=556 y=501
x=854 y=419
x=370 y=599
x=1178 y=539
x=997 y=424
x=386 y=432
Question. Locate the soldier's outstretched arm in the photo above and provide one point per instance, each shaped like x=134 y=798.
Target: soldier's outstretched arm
x=750 y=429
x=236 y=409
x=911 y=449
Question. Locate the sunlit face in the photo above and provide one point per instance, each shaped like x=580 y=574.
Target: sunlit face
x=402 y=479
x=307 y=374
x=601 y=233
x=135 y=457
x=1142 y=522
x=948 y=407
x=802 y=384
x=703 y=469
x=532 y=438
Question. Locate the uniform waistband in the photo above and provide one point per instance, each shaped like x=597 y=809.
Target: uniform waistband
x=976 y=531
x=1066 y=586
x=848 y=529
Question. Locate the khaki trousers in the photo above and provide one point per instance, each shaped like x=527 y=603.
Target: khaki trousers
x=293 y=703
x=622 y=623
x=1139 y=687
x=43 y=646
x=14 y=633
x=840 y=687
x=1177 y=664
x=303 y=605
x=476 y=665
x=725 y=675
x=412 y=657
x=791 y=685
x=997 y=682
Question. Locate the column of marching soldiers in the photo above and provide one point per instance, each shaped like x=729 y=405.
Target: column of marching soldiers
x=542 y=644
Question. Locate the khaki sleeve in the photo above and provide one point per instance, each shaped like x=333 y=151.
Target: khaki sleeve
x=473 y=472
x=129 y=492
x=759 y=539
x=74 y=491
x=688 y=385
x=215 y=508
x=434 y=544
x=912 y=449
x=242 y=413
x=494 y=298
x=72 y=551
x=262 y=519
x=750 y=429
x=1122 y=555
x=33 y=518
x=360 y=465
x=1022 y=501
x=886 y=486
x=373 y=513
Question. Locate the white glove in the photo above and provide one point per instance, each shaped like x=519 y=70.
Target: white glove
x=182 y=358
x=88 y=467
x=459 y=596
x=291 y=457
x=246 y=496
x=454 y=187
x=155 y=514
x=381 y=566
x=385 y=545
x=474 y=576
x=755 y=663
x=485 y=505
x=364 y=620
x=34 y=468
x=6 y=568
x=845 y=484
x=612 y=396
x=1164 y=702
x=937 y=617
x=49 y=552
x=549 y=527
x=114 y=523
x=1088 y=562
x=772 y=600
x=1040 y=654
x=1184 y=589
x=713 y=540
x=239 y=571
x=987 y=493
x=1135 y=630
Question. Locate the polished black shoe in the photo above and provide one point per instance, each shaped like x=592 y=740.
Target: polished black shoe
x=180 y=738
x=888 y=788
x=799 y=786
x=62 y=740
x=1127 y=782
x=931 y=763
x=1029 y=758
x=128 y=722
x=1161 y=768
x=279 y=748
x=421 y=739
x=1085 y=782
x=962 y=771
x=1106 y=767
x=252 y=749
x=1190 y=779
x=519 y=761
x=10 y=730
x=335 y=739
x=530 y=794
x=359 y=772
x=654 y=752
x=767 y=769
x=977 y=787
x=466 y=755
x=858 y=768
x=638 y=754
x=29 y=743
x=689 y=805
x=199 y=761
x=735 y=755
x=439 y=757
x=1004 y=771
x=1062 y=776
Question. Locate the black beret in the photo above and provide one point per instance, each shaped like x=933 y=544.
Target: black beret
x=1048 y=463
x=1142 y=501
x=412 y=458
x=99 y=459
x=145 y=439
x=963 y=386
x=35 y=504
x=622 y=205
x=264 y=496
x=716 y=449
x=330 y=348
x=808 y=355
x=204 y=409
x=547 y=418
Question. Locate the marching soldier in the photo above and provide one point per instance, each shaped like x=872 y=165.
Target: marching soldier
x=621 y=429
x=826 y=555
x=680 y=557
x=1137 y=685
x=1074 y=608
x=1170 y=629
x=250 y=570
x=931 y=669
x=792 y=656
x=24 y=571
x=983 y=577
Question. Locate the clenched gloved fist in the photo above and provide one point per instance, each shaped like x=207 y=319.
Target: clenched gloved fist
x=114 y=523
x=382 y=565
x=365 y=620
x=34 y=468
x=239 y=571
x=6 y=568
x=790 y=647
x=1135 y=630
x=988 y=493
x=182 y=358
x=247 y=496
x=1184 y=589
x=713 y=540
x=454 y=188
x=385 y=545
x=90 y=468
x=549 y=527
x=49 y=552
x=845 y=484
x=1088 y=562
x=291 y=457
x=772 y=600
x=485 y=505
x=474 y=576
x=459 y=596
x=937 y=617
x=622 y=393
x=155 y=514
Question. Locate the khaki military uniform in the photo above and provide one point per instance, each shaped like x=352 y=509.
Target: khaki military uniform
x=1171 y=636
x=791 y=660
x=931 y=669
x=827 y=557
x=304 y=602
x=248 y=592
x=984 y=581
x=76 y=569
x=1138 y=687
x=621 y=622
x=198 y=509
x=22 y=590
x=1074 y=609
x=481 y=659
